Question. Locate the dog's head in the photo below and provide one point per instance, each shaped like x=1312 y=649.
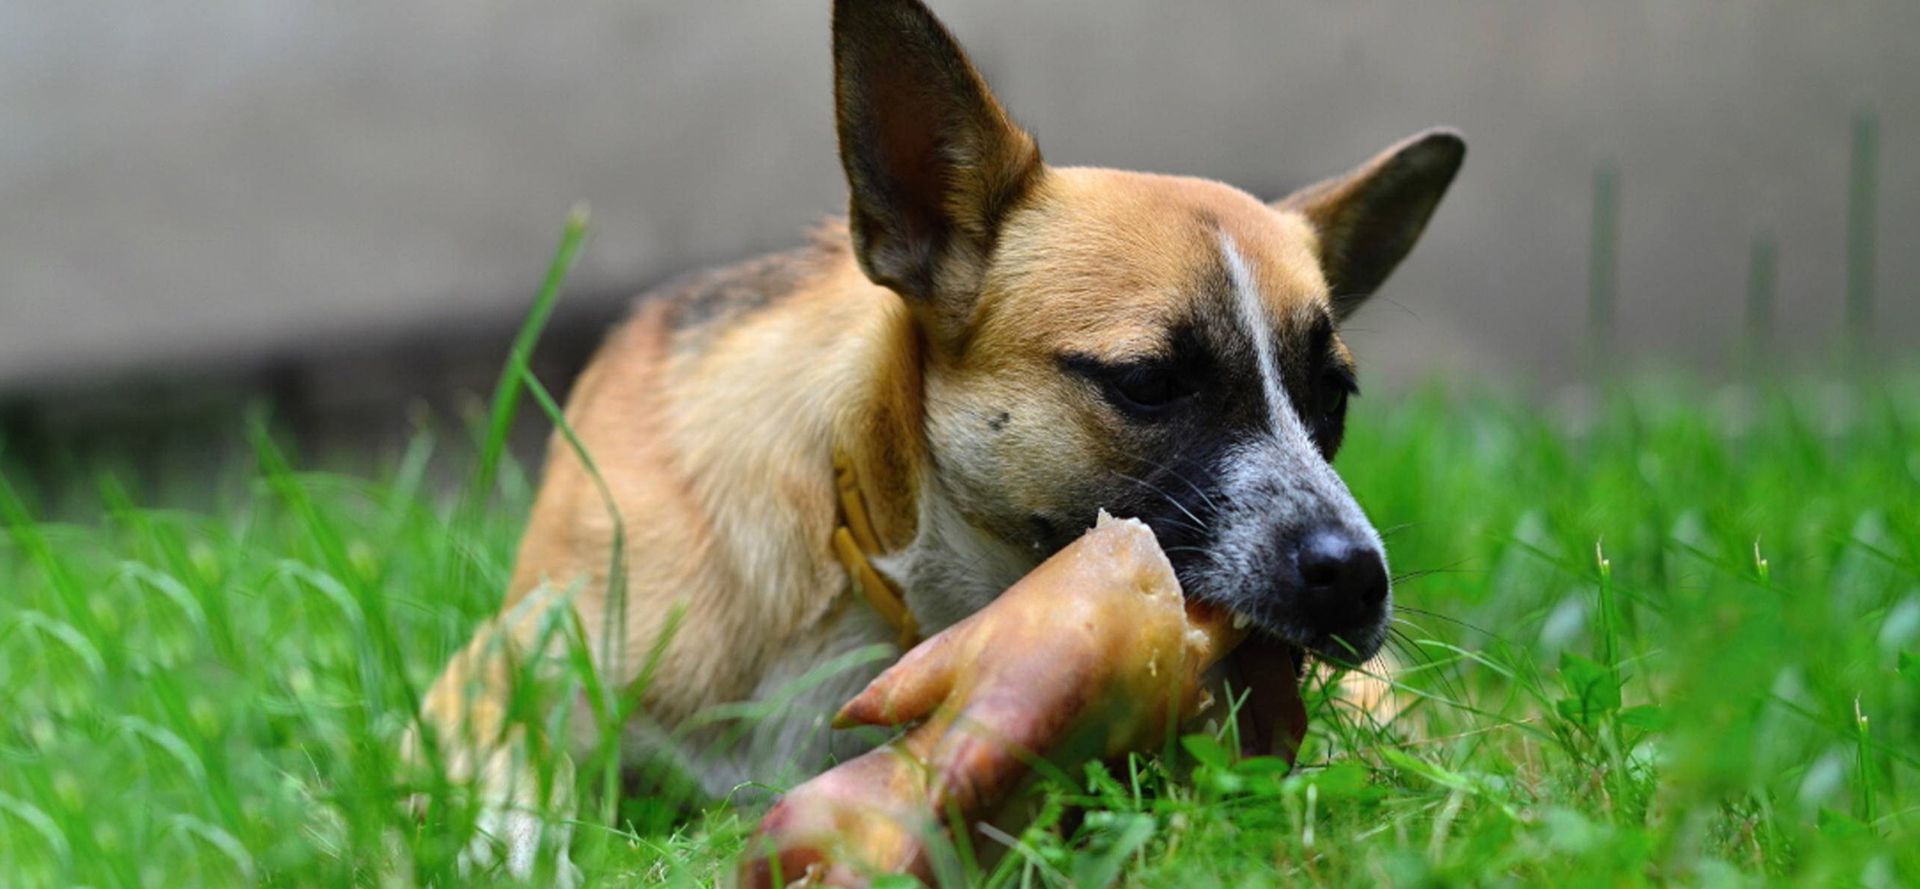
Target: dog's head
x=1162 y=347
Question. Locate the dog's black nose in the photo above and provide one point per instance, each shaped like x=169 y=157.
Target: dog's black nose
x=1343 y=580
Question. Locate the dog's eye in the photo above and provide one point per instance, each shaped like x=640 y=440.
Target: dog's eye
x=1146 y=386
x=1336 y=386
x=1144 y=389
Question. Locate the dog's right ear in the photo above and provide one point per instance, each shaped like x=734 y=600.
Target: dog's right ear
x=933 y=162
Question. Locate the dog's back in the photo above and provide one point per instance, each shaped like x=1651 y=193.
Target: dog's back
x=710 y=415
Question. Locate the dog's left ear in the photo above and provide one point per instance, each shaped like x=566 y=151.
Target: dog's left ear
x=932 y=159
x=1369 y=219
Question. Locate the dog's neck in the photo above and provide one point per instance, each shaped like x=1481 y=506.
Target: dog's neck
x=761 y=401
x=945 y=568
x=837 y=366
x=878 y=426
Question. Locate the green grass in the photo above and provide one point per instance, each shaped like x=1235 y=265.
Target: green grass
x=1667 y=638
x=1662 y=633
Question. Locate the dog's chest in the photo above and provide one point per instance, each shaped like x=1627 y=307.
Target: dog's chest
x=952 y=569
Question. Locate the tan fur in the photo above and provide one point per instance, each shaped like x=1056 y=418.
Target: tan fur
x=1133 y=242
x=719 y=462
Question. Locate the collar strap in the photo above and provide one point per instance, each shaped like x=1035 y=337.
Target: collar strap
x=855 y=543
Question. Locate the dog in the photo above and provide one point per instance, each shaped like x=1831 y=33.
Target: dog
x=866 y=439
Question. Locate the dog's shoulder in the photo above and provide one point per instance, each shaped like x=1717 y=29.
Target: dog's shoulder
x=694 y=304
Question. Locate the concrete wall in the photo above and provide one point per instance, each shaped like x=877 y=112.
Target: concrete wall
x=247 y=185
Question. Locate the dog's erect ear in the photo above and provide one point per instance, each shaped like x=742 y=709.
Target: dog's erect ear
x=1369 y=219
x=932 y=159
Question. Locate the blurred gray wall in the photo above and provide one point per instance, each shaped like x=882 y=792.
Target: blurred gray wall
x=213 y=185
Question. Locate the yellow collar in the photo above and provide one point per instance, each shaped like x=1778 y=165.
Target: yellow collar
x=855 y=543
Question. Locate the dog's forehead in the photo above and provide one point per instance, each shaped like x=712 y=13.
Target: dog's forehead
x=1113 y=258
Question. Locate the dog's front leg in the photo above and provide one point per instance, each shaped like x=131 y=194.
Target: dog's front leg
x=475 y=728
x=781 y=734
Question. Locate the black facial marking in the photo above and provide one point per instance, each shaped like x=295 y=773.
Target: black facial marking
x=1319 y=382
x=1334 y=386
x=998 y=421
x=1179 y=453
x=1147 y=390
x=1202 y=462
x=1178 y=495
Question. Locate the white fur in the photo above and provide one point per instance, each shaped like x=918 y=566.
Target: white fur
x=951 y=569
x=1253 y=318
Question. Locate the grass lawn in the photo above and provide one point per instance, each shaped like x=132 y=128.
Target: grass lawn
x=1670 y=635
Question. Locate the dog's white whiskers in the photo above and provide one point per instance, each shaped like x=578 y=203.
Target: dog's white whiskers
x=1202 y=492
x=1198 y=523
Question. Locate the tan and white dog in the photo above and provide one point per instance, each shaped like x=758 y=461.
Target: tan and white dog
x=994 y=349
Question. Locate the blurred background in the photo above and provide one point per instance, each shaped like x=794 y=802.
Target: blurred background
x=342 y=210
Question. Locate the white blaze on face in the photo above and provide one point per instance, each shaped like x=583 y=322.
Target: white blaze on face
x=1288 y=428
x=1277 y=485
x=1253 y=321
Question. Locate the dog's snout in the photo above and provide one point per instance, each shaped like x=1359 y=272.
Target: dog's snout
x=1343 y=579
x=1294 y=552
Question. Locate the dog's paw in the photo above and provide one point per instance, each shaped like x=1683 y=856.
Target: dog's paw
x=514 y=842
x=516 y=835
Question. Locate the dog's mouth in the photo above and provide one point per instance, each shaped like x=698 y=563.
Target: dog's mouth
x=1262 y=675
x=1271 y=718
